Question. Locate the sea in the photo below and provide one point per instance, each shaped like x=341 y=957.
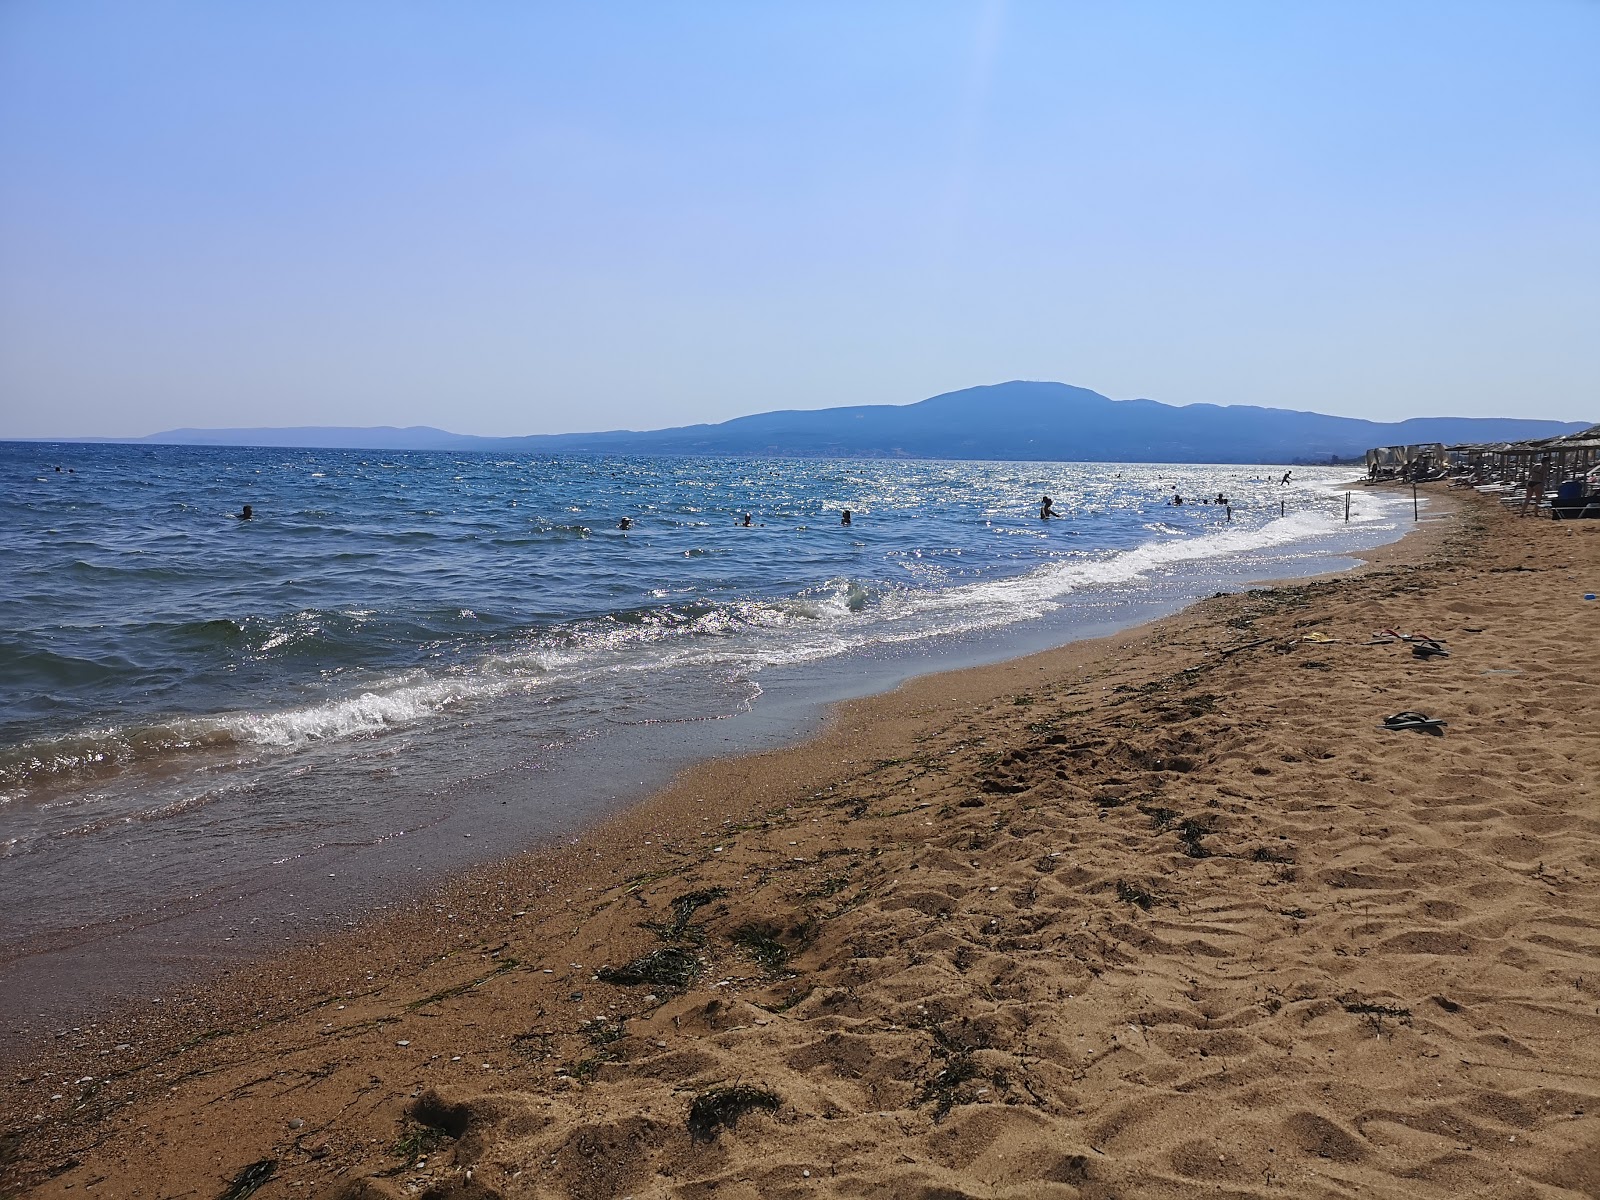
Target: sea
x=218 y=735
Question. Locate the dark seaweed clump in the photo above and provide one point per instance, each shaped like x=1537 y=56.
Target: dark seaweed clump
x=761 y=944
x=942 y=1088
x=670 y=966
x=248 y=1180
x=1189 y=833
x=1132 y=893
x=723 y=1106
x=679 y=928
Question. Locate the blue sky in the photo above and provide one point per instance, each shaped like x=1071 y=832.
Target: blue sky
x=514 y=217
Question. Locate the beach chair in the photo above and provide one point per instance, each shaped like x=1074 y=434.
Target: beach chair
x=1569 y=502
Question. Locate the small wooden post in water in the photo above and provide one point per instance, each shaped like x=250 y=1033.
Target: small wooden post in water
x=1414 y=514
x=1280 y=508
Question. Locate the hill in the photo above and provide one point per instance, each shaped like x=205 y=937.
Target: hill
x=1018 y=420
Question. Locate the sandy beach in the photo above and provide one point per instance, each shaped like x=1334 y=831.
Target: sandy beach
x=1165 y=914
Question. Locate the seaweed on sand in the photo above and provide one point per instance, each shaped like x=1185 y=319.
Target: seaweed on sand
x=711 y=1110
x=250 y=1178
x=1265 y=854
x=684 y=907
x=1133 y=893
x=1189 y=833
x=1365 y=1008
x=669 y=966
x=761 y=942
x=942 y=1088
x=1160 y=817
x=1374 y=1014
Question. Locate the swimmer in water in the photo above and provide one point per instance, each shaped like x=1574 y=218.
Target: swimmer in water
x=1047 y=508
x=746 y=521
x=625 y=523
x=246 y=513
x=844 y=517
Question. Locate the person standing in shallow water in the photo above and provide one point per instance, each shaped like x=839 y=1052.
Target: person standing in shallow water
x=1047 y=508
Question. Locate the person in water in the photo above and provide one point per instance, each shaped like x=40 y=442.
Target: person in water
x=1047 y=508
x=246 y=513
x=746 y=521
x=1285 y=480
x=625 y=523
x=844 y=517
x=1177 y=500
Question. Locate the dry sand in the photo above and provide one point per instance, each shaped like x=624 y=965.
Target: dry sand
x=1163 y=915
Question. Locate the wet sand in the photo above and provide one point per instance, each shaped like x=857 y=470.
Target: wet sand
x=1167 y=914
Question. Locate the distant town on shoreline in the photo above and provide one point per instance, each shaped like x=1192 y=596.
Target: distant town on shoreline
x=1017 y=421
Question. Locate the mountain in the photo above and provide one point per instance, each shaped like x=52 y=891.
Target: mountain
x=1018 y=420
x=326 y=437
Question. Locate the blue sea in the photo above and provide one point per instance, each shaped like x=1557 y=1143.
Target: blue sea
x=196 y=708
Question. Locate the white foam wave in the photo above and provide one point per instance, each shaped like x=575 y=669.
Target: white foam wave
x=738 y=638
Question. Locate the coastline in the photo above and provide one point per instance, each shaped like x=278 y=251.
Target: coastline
x=286 y=854
x=914 y=1012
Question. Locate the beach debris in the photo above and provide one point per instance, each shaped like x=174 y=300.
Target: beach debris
x=1415 y=720
x=1389 y=636
x=669 y=966
x=1133 y=893
x=1190 y=831
x=942 y=1088
x=1374 y=1014
x=1160 y=817
x=1246 y=646
x=680 y=928
x=761 y=942
x=711 y=1110
x=1317 y=636
x=1353 y=1003
x=248 y=1180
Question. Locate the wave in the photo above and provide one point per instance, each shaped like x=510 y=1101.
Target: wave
x=738 y=637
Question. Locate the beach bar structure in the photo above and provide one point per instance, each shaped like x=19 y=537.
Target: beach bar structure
x=1569 y=456
x=1571 y=469
x=1423 y=460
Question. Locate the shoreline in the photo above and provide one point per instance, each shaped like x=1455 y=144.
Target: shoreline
x=187 y=934
x=62 y=974
x=499 y=954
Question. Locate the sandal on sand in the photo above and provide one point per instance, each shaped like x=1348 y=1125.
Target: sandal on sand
x=1406 y=637
x=1414 y=720
x=1428 y=648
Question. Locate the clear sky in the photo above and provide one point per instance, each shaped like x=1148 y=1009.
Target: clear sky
x=517 y=217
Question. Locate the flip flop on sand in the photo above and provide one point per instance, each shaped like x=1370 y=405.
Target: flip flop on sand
x=1428 y=648
x=1414 y=720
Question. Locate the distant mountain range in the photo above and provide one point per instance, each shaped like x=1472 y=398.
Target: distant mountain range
x=1018 y=420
